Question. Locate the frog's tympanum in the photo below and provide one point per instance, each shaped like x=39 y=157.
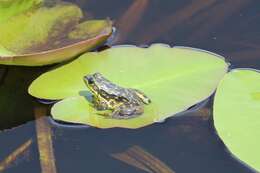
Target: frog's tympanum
x=107 y=96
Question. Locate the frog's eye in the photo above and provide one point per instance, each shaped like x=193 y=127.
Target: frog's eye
x=90 y=81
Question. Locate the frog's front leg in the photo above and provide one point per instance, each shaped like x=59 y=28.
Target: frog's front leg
x=99 y=103
x=126 y=112
x=104 y=107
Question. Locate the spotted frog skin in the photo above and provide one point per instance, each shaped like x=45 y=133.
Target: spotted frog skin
x=123 y=102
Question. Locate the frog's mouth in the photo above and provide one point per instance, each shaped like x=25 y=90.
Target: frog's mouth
x=90 y=83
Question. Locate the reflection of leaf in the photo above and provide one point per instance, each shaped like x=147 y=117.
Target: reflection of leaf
x=43 y=36
x=237 y=115
x=174 y=79
x=142 y=159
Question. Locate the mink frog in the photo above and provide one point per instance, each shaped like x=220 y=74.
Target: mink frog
x=123 y=102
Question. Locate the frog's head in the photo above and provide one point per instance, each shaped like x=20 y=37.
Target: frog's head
x=94 y=82
x=91 y=83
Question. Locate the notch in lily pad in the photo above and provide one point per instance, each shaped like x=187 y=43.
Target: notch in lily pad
x=173 y=78
x=42 y=35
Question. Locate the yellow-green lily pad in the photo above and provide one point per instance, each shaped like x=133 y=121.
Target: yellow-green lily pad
x=9 y=8
x=174 y=78
x=237 y=114
x=47 y=35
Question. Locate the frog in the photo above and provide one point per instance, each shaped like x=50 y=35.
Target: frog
x=122 y=102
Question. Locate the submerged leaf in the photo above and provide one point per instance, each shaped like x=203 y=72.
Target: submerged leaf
x=43 y=36
x=174 y=78
x=237 y=114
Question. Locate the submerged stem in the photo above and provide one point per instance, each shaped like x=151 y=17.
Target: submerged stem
x=44 y=139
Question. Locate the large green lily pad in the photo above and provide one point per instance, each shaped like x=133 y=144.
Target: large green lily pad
x=174 y=78
x=237 y=114
x=47 y=35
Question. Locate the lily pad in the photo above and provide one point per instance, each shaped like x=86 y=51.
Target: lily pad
x=174 y=78
x=44 y=35
x=9 y=8
x=237 y=114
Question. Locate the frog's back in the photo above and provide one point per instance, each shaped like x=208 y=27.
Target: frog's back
x=118 y=92
x=109 y=87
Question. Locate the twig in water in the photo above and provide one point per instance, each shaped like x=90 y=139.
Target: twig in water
x=138 y=157
x=44 y=139
x=13 y=156
x=124 y=157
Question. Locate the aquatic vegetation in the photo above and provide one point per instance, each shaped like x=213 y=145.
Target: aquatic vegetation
x=173 y=78
x=44 y=141
x=4 y=164
x=236 y=114
x=136 y=156
x=43 y=35
x=182 y=141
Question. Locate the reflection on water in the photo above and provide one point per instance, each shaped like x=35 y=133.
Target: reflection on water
x=185 y=143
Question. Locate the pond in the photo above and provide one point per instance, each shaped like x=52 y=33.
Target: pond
x=184 y=143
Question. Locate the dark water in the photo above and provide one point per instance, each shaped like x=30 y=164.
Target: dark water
x=185 y=143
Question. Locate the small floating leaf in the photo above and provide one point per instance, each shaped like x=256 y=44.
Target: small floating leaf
x=174 y=78
x=237 y=114
x=43 y=36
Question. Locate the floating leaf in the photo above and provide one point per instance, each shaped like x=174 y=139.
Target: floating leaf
x=43 y=36
x=174 y=78
x=237 y=114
